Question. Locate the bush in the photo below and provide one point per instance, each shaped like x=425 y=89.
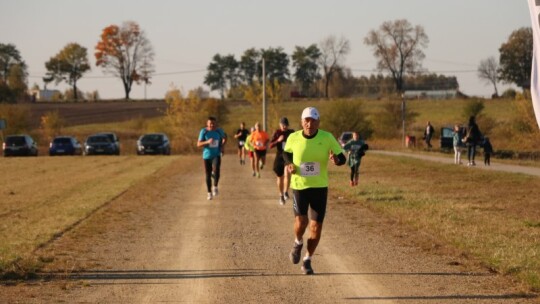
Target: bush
x=389 y=121
x=473 y=107
x=17 y=118
x=51 y=124
x=347 y=116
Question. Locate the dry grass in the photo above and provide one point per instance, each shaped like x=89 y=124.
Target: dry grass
x=493 y=217
x=42 y=197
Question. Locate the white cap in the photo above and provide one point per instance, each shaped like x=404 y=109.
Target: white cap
x=310 y=112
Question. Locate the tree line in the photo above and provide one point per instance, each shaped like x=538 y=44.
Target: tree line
x=318 y=70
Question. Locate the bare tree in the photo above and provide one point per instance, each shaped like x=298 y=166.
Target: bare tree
x=488 y=71
x=333 y=52
x=397 y=46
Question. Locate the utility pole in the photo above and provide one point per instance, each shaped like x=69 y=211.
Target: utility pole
x=264 y=94
x=403 y=117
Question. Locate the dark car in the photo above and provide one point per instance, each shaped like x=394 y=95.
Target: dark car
x=155 y=143
x=65 y=145
x=447 y=138
x=99 y=144
x=114 y=139
x=20 y=145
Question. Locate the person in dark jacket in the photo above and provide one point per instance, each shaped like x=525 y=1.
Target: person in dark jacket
x=428 y=134
x=471 y=139
x=488 y=150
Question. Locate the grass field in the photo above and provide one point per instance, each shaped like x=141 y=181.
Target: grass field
x=41 y=197
x=491 y=217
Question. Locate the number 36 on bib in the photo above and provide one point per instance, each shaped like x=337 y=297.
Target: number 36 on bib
x=310 y=169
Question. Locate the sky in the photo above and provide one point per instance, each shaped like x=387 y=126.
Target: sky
x=186 y=34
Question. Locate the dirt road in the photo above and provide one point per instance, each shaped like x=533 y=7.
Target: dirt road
x=164 y=242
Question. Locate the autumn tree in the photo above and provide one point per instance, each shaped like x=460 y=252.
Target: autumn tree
x=68 y=65
x=306 y=68
x=398 y=45
x=333 y=52
x=488 y=72
x=13 y=73
x=516 y=58
x=125 y=52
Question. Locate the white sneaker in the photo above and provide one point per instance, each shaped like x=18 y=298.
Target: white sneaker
x=286 y=195
x=209 y=197
x=281 y=200
x=215 y=192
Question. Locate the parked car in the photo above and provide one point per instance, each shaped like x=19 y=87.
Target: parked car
x=154 y=143
x=447 y=138
x=345 y=137
x=99 y=144
x=114 y=139
x=65 y=145
x=19 y=145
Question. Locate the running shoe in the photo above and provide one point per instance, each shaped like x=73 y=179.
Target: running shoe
x=254 y=174
x=258 y=175
x=295 y=253
x=209 y=197
x=281 y=200
x=306 y=267
x=286 y=195
x=215 y=192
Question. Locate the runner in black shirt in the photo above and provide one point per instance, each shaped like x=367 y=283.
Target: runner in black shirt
x=241 y=135
x=283 y=177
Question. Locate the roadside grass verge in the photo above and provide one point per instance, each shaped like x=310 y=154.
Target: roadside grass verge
x=492 y=217
x=43 y=197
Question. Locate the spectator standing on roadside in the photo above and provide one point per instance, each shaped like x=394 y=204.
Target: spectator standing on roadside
x=259 y=141
x=356 y=148
x=488 y=150
x=279 y=139
x=211 y=140
x=428 y=134
x=458 y=144
x=307 y=153
x=471 y=139
x=241 y=136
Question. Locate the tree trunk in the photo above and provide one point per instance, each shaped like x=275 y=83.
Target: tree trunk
x=127 y=89
x=75 y=90
x=327 y=84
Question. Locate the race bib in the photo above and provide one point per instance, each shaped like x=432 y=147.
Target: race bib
x=310 y=169
x=214 y=143
x=241 y=143
x=283 y=144
x=259 y=144
x=355 y=147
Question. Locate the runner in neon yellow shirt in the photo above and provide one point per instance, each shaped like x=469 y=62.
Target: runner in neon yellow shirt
x=306 y=155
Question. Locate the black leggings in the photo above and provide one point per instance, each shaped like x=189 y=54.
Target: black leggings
x=354 y=171
x=208 y=164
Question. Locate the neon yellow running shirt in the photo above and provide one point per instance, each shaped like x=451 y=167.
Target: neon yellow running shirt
x=310 y=158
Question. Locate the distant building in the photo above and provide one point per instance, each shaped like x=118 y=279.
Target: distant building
x=431 y=94
x=44 y=95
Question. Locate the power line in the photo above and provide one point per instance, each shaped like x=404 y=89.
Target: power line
x=153 y=75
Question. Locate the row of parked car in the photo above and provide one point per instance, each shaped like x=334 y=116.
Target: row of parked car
x=96 y=144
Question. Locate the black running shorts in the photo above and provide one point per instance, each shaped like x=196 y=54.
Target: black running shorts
x=279 y=165
x=312 y=202
x=260 y=153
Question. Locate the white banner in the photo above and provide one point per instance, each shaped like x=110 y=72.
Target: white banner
x=534 y=8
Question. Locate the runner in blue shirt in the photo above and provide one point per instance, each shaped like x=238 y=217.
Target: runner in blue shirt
x=212 y=140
